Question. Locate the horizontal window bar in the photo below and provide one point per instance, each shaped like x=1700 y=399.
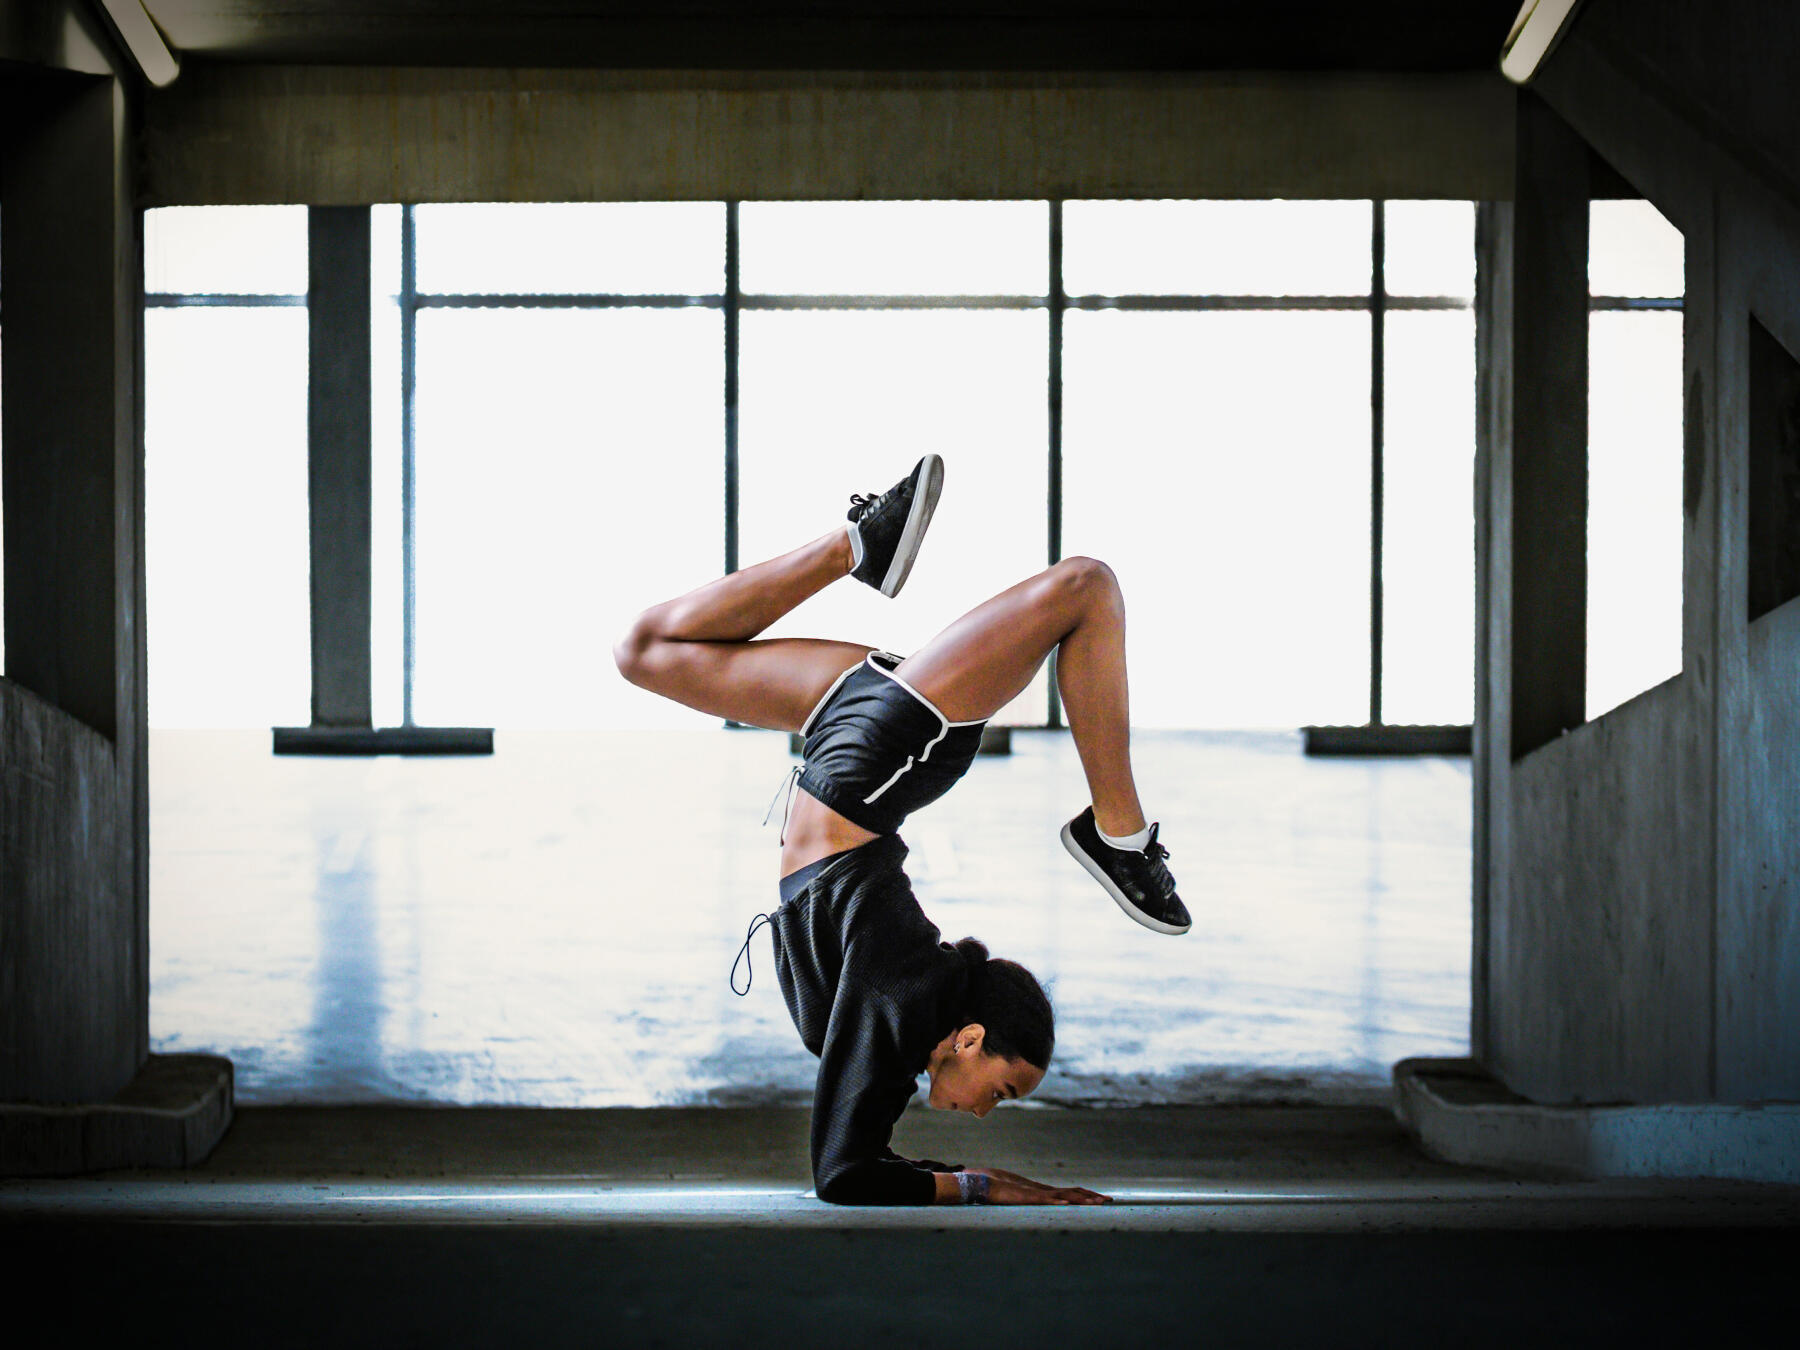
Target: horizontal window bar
x=569 y=301
x=1205 y=302
x=1634 y=302
x=894 y=302
x=1261 y=302
x=898 y=302
x=163 y=300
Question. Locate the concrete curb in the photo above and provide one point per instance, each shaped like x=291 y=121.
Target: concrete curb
x=1461 y=1114
x=172 y=1114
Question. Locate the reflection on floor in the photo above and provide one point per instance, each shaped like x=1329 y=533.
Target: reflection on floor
x=553 y=926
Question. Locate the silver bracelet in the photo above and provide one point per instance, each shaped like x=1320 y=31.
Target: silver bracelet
x=972 y=1187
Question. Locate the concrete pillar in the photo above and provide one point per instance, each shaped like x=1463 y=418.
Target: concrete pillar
x=338 y=462
x=74 y=981
x=339 y=455
x=79 y=1089
x=1491 y=735
x=1549 y=428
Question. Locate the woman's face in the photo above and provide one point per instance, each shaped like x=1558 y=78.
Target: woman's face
x=965 y=1077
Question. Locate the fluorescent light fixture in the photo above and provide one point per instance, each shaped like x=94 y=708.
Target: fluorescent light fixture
x=143 y=40
x=1533 y=37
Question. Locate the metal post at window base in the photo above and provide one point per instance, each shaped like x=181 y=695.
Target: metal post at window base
x=384 y=740
x=1388 y=738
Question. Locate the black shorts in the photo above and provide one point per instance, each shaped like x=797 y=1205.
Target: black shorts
x=877 y=750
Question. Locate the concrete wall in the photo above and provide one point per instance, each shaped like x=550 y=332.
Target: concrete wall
x=1638 y=878
x=350 y=136
x=68 y=936
x=74 y=878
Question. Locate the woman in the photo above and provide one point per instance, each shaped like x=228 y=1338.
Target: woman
x=872 y=990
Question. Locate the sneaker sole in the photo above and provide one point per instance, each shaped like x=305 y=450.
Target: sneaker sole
x=1094 y=870
x=925 y=498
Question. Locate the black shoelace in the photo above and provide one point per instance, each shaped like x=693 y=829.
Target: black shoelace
x=861 y=506
x=1154 y=853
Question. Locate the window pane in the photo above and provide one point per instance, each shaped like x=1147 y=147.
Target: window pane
x=225 y=250
x=1430 y=248
x=1428 y=533
x=569 y=474
x=225 y=533
x=571 y=248
x=835 y=403
x=1633 y=251
x=1220 y=463
x=894 y=248
x=1634 y=504
x=1216 y=248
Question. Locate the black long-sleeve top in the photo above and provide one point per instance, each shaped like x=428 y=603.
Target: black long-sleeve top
x=872 y=990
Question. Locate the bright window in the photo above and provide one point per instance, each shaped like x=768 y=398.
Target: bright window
x=1634 y=453
x=1232 y=503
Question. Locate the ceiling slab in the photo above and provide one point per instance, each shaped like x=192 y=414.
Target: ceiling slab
x=1310 y=35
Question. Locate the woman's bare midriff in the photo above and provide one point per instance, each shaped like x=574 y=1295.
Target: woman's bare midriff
x=815 y=831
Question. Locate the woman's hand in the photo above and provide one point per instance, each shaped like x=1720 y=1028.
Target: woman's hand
x=1009 y=1188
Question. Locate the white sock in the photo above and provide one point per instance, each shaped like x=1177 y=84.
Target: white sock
x=1131 y=843
x=856 y=546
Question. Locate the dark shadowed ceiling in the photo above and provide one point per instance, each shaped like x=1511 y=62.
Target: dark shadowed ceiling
x=1393 y=35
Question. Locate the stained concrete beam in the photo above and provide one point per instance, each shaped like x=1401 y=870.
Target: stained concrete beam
x=344 y=135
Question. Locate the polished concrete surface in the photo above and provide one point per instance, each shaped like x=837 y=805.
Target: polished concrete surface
x=1167 y=1169
x=553 y=926
x=675 y=1227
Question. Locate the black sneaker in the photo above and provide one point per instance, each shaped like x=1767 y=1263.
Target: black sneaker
x=1138 y=881
x=885 y=531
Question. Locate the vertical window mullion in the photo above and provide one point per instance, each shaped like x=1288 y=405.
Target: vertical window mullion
x=1053 y=498
x=1377 y=411
x=731 y=387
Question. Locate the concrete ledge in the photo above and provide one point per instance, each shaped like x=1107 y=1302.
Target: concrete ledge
x=384 y=740
x=172 y=1114
x=1461 y=1114
x=1389 y=739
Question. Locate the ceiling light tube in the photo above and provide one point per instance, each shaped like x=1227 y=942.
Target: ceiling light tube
x=143 y=40
x=1534 y=36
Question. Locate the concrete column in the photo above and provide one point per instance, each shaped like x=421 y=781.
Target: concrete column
x=338 y=462
x=79 y=1090
x=74 y=983
x=1491 y=739
x=1549 y=433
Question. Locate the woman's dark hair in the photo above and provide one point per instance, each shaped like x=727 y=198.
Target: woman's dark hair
x=1010 y=1004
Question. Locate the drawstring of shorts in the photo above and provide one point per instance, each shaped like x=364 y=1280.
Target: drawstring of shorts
x=789 y=782
x=744 y=955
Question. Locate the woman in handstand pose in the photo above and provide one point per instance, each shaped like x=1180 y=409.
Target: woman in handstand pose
x=873 y=991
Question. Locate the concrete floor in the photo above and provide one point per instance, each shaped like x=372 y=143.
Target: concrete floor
x=543 y=928
x=1234 y=1226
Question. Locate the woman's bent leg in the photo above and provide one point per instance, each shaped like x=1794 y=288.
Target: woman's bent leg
x=696 y=649
x=985 y=659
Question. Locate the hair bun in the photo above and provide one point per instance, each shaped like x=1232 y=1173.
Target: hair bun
x=1009 y=1004
x=974 y=953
